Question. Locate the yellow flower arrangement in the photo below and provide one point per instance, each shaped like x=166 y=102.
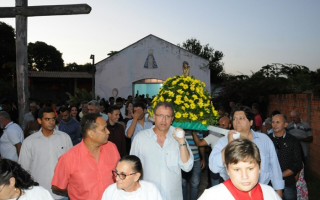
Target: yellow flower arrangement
x=190 y=100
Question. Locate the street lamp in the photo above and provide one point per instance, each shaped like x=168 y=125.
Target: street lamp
x=93 y=74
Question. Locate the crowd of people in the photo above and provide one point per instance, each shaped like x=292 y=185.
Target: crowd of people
x=114 y=150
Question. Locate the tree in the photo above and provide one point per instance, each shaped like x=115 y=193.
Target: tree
x=7 y=44
x=215 y=64
x=79 y=96
x=74 y=67
x=7 y=61
x=44 y=57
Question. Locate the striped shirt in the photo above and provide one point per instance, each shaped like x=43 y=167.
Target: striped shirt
x=194 y=148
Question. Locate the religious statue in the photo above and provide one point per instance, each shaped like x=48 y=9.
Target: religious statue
x=185 y=68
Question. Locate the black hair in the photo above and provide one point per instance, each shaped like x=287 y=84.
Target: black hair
x=113 y=108
x=64 y=109
x=127 y=105
x=119 y=99
x=44 y=110
x=137 y=165
x=275 y=112
x=9 y=169
x=88 y=122
x=139 y=104
x=247 y=111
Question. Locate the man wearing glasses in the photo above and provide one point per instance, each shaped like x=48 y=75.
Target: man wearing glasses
x=163 y=154
x=85 y=171
x=40 y=151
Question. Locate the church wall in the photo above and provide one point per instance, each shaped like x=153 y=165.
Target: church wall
x=120 y=70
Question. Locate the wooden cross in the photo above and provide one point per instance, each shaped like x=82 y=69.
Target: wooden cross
x=21 y=12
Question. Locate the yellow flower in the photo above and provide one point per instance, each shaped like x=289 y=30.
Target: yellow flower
x=194 y=97
x=187 y=94
x=197 y=90
x=192 y=106
x=177 y=115
x=215 y=113
x=178 y=102
x=194 y=117
x=171 y=94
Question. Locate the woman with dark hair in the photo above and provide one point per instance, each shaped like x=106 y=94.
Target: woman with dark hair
x=128 y=112
x=128 y=184
x=74 y=112
x=16 y=183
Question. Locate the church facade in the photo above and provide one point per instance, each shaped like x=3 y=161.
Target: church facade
x=143 y=66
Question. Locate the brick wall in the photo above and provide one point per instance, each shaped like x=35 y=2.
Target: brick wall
x=309 y=107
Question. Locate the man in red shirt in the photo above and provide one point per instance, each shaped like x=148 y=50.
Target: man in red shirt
x=85 y=171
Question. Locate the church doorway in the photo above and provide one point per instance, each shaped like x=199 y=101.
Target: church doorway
x=148 y=86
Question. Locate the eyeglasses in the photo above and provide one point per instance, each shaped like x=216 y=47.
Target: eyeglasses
x=163 y=116
x=122 y=176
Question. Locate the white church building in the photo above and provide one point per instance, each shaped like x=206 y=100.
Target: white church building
x=143 y=66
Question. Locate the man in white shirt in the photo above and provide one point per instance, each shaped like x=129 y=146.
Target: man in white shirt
x=11 y=139
x=40 y=151
x=163 y=154
x=30 y=115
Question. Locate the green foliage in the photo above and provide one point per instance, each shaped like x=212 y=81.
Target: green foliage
x=74 y=67
x=44 y=57
x=7 y=44
x=270 y=79
x=79 y=96
x=7 y=52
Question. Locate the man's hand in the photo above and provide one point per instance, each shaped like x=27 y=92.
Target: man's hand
x=179 y=140
x=230 y=135
x=137 y=113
